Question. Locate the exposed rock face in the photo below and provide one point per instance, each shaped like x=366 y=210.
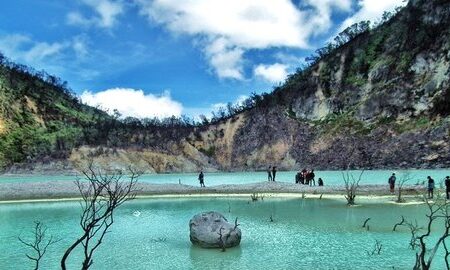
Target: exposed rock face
x=206 y=228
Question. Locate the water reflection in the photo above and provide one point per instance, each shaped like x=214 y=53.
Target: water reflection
x=202 y=258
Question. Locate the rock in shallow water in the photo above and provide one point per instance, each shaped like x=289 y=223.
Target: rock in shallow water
x=205 y=231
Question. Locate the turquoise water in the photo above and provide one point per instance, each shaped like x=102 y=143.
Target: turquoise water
x=305 y=234
x=212 y=179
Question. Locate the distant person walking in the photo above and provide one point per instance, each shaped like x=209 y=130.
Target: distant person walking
x=430 y=187
x=269 y=174
x=447 y=187
x=201 y=178
x=274 y=172
x=391 y=182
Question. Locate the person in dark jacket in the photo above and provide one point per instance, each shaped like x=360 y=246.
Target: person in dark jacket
x=447 y=186
x=311 y=176
x=391 y=182
x=302 y=178
x=274 y=172
x=201 y=178
x=430 y=187
x=269 y=174
x=320 y=182
x=297 y=178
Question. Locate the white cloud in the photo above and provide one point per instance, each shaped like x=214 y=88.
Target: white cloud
x=75 y=18
x=22 y=48
x=322 y=20
x=80 y=47
x=106 y=11
x=371 y=10
x=273 y=73
x=132 y=102
x=227 y=29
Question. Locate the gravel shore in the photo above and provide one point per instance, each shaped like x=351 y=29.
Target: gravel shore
x=52 y=190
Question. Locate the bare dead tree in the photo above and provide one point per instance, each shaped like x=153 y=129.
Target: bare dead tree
x=255 y=197
x=222 y=241
x=438 y=212
x=101 y=194
x=447 y=253
x=399 y=224
x=39 y=244
x=402 y=181
x=376 y=249
x=365 y=222
x=351 y=186
x=414 y=228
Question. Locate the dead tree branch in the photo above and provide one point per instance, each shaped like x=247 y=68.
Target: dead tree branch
x=438 y=210
x=365 y=222
x=102 y=193
x=403 y=180
x=351 y=186
x=399 y=224
x=376 y=249
x=39 y=244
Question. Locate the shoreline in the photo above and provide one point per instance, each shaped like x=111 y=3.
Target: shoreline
x=387 y=198
x=59 y=191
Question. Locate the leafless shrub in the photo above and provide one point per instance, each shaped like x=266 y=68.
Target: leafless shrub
x=101 y=194
x=159 y=240
x=402 y=181
x=376 y=249
x=351 y=186
x=39 y=243
x=255 y=197
x=223 y=238
x=438 y=214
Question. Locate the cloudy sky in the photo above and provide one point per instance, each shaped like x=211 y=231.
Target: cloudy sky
x=173 y=57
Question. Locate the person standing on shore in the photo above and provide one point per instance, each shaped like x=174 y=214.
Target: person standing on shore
x=320 y=182
x=274 y=172
x=201 y=178
x=447 y=187
x=391 y=182
x=430 y=187
x=269 y=174
x=311 y=177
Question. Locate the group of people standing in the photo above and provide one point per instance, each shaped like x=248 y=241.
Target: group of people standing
x=306 y=177
x=430 y=185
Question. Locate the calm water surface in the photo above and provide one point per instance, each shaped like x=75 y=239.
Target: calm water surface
x=305 y=234
x=212 y=179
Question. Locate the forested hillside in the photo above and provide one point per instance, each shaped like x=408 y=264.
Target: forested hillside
x=375 y=98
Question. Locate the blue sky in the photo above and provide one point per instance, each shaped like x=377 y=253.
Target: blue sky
x=163 y=57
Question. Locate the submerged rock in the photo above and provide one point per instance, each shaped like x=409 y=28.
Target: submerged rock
x=205 y=229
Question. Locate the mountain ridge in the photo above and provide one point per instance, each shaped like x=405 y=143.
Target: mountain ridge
x=380 y=100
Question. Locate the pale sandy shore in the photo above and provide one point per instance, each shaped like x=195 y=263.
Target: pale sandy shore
x=66 y=190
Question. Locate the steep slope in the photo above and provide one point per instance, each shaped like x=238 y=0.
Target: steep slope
x=380 y=100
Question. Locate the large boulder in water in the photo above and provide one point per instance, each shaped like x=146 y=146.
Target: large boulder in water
x=205 y=229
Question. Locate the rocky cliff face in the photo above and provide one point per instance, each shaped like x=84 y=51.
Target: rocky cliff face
x=381 y=100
